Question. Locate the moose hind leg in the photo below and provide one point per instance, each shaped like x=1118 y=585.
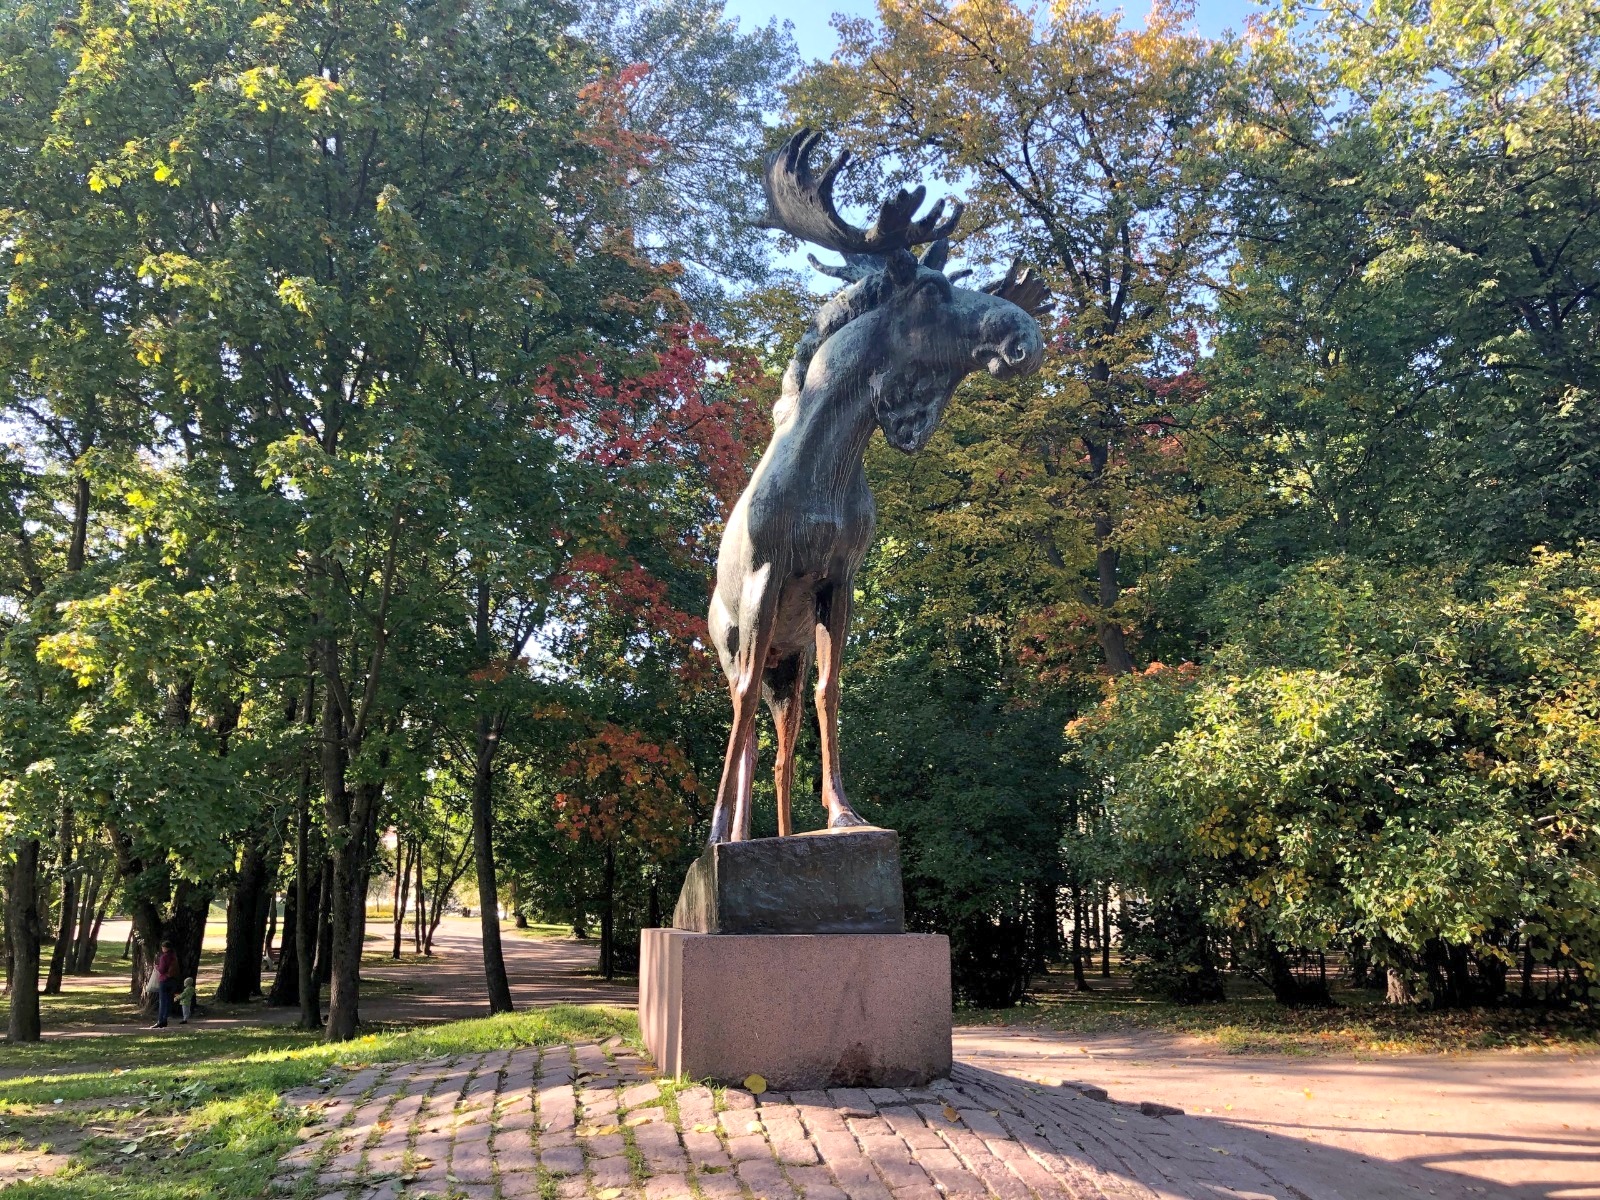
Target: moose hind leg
x=833 y=622
x=786 y=697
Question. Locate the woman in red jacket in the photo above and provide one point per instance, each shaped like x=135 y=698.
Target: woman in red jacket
x=167 y=981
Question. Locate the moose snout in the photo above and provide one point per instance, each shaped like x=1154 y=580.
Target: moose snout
x=1016 y=348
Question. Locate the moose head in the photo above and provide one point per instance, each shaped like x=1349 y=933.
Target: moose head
x=902 y=324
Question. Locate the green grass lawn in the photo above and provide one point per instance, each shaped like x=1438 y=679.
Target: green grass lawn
x=1251 y=1022
x=193 y=1113
x=535 y=929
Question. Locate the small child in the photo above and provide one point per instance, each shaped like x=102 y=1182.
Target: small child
x=186 y=998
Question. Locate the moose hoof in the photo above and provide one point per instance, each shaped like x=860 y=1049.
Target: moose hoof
x=844 y=819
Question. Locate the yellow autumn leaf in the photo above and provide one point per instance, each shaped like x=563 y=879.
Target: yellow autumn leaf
x=755 y=1084
x=951 y=1114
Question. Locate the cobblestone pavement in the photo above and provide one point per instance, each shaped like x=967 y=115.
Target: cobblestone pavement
x=588 y=1121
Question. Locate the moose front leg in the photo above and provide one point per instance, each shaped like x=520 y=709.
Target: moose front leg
x=833 y=622
x=758 y=605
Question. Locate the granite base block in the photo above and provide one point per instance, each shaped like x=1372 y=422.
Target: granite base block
x=801 y=1010
x=828 y=881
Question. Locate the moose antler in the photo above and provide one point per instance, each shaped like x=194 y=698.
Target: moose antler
x=800 y=202
x=1023 y=288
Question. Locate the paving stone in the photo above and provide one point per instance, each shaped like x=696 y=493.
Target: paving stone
x=946 y=1169
x=695 y=1106
x=719 y=1186
x=764 y=1179
x=667 y=1187
x=796 y=1151
x=642 y=1093
x=1021 y=1164
x=909 y=1126
x=852 y=1099
x=750 y=1145
x=898 y=1171
x=612 y=1172
x=485 y=1124
x=561 y=1160
x=510 y=1159
x=996 y=1178
x=868 y=1127
x=836 y=1147
x=659 y=1145
x=604 y=1145
x=705 y=1150
x=981 y=1123
x=820 y=1118
x=814 y=1183
x=520 y=1187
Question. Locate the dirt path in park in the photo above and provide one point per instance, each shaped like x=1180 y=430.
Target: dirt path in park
x=542 y=971
x=1529 y=1122
x=447 y=987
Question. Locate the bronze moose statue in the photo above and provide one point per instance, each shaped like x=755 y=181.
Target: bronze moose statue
x=886 y=352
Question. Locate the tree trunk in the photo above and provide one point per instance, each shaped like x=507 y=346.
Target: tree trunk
x=5 y=929
x=308 y=931
x=1113 y=641
x=285 y=991
x=1105 y=933
x=608 y=964
x=1399 y=990
x=352 y=824
x=346 y=842
x=25 y=928
x=402 y=891
x=145 y=891
x=241 y=958
x=191 y=904
x=81 y=961
x=1078 y=980
x=267 y=956
x=494 y=963
x=69 y=907
x=420 y=914
x=324 y=941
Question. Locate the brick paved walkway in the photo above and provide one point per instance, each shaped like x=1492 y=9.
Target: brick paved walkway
x=587 y=1121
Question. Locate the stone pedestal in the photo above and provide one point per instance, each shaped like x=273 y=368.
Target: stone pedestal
x=801 y=1010
x=830 y=881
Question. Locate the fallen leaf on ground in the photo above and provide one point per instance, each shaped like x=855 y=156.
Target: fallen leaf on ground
x=755 y=1084
x=951 y=1115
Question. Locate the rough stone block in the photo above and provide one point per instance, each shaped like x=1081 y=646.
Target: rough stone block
x=804 y=1011
x=831 y=881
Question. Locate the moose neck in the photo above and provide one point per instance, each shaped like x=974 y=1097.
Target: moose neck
x=833 y=422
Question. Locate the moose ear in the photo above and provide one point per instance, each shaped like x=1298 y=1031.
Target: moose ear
x=901 y=267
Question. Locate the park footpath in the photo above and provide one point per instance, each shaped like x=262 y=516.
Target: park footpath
x=588 y=1121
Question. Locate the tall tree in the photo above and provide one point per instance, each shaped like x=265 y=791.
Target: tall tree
x=1084 y=148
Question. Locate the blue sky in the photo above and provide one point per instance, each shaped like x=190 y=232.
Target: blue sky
x=815 y=36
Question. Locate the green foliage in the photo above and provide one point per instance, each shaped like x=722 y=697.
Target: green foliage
x=945 y=742
x=1402 y=762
